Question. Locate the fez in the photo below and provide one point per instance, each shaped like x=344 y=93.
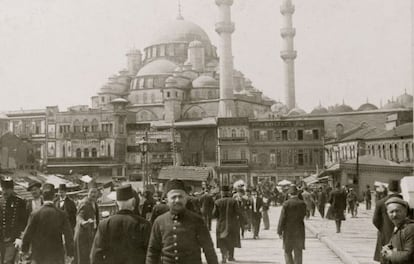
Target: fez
x=48 y=187
x=124 y=193
x=62 y=187
x=397 y=200
x=293 y=190
x=225 y=188
x=174 y=184
x=7 y=183
x=393 y=186
x=34 y=184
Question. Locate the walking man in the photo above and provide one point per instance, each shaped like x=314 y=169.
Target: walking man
x=179 y=235
x=368 y=198
x=44 y=233
x=66 y=204
x=337 y=209
x=321 y=201
x=123 y=237
x=291 y=227
x=228 y=214
x=257 y=204
x=265 y=212
x=14 y=219
x=382 y=222
x=37 y=201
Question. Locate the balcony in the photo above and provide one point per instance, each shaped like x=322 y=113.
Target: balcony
x=91 y=160
x=233 y=140
x=234 y=162
x=85 y=135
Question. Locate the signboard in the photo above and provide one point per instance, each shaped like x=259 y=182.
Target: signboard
x=302 y=123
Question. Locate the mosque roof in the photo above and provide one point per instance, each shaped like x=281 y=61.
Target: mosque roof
x=392 y=105
x=205 y=81
x=319 y=110
x=343 y=108
x=180 y=30
x=157 y=67
x=405 y=100
x=367 y=107
x=296 y=111
x=119 y=100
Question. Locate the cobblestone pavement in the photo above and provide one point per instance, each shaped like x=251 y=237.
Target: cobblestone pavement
x=357 y=238
x=268 y=248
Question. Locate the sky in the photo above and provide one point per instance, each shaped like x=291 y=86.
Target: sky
x=62 y=52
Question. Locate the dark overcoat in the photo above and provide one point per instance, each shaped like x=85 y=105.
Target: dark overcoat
x=337 y=199
x=402 y=242
x=158 y=210
x=206 y=204
x=228 y=214
x=44 y=234
x=383 y=224
x=14 y=217
x=291 y=226
x=69 y=207
x=122 y=238
x=84 y=234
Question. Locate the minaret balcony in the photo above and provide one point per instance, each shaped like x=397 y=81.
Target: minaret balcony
x=288 y=32
x=225 y=27
x=224 y=2
x=288 y=54
x=287 y=9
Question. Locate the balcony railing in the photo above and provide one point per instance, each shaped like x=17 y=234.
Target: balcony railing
x=233 y=162
x=84 y=135
x=80 y=160
x=233 y=140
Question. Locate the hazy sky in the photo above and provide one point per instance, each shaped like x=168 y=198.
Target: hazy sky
x=61 y=52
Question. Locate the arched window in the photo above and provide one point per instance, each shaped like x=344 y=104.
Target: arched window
x=76 y=126
x=407 y=152
x=85 y=125
x=396 y=152
x=384 y=153
x=242 y=133
x=233 y=133
x=379 y=151
x=86 y=153
x=94 y=153
x=78 y=153
x=224 y=132
x=95 y=126
x=144 y=116
x=141 y=83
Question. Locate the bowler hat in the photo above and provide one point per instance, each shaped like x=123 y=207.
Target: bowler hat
x=124 y=193
x=48 y=187
x=62 y=187
x=7 y=183
x=396 y=200
x=393 y=186
x=174 y=184
x=34 y=184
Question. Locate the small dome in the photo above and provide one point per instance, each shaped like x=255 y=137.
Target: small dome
x=120 y=100
x=405 y=100
x=195 y=44
x=343 y=108
x=367 y=107
x=157 y=67
x=392 y=105
x=319 y=110
x=296 y=111
x=205 y=81
x=279 y=107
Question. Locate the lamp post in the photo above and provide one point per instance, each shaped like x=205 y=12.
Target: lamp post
x=143 y=147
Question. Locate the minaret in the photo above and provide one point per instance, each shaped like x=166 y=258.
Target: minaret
x=288 y=54
x=225 y=28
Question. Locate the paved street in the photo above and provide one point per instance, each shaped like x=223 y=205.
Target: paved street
x=357 y=239
x=268 y=249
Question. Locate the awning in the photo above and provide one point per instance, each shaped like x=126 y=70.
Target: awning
x=186 y=173
x=311 y=179
x=284 y=182
x=56 y=181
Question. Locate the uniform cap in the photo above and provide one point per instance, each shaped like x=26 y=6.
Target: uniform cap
x=174 y=184
x=7 y=183
x=34 y=184
x=124 y=193
x=397 y=200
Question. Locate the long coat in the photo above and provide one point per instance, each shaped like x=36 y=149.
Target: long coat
x=384 y=225
x=14 y=217
x=84 y=234
x=291 y=226
x=337 y=199
x=402 y=242
x=44 y=233
x=206 y=204
x=122 y=238
x=69 y=207
x=228 y=214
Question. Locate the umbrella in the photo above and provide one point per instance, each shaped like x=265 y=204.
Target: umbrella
x=284 y=182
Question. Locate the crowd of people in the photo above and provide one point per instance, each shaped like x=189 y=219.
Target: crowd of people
x=174 y=226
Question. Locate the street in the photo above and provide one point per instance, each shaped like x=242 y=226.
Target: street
x=268 y=248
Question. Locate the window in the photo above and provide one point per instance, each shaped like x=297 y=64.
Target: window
x=170 y=50
x=176 y=94
x=225 y=154
x=149 y=83
x=263 y=135
x=242 y=133
x=300 y=134
x=272 y=157
x=154 y=51
x=243 y=154
x=94 y=153
x=109 y=150
x=78 y=153
x=86 y=153
x=103 y=99
x=76 y=126
x=144 y=98
x=85 y=125
x=270 y=135
x=141 y=83
x=284 y=135
x=95 y=125
x=315 y=134
x=407 y=152
x=256 y=135
x=396 y=152
x=300 y=157
x=168 y=94
x=233 y=133
x=152 y=98
x=209 y=94
x=63 y=151
x=162 y=50
x=254 y=157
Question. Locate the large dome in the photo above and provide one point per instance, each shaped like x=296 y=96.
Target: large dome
x=405 y=100
x=205 y=81
x=179 y=30
x=157 y=67
x=367 y=107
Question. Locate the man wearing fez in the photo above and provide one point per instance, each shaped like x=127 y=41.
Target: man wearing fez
x=13 y=217
x=37 y=201
x=66 y=204
x=179 y=235
x=382 y=222
x=228 y=214
x=44 y=233
x=291 y=227
x=400 y=249
x=123 y=237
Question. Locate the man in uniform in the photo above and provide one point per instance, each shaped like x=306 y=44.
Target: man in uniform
x=228 y=214
x=44 y=233
x=400 y=249
x=291 y=227
x=122 y=238
x=179 y=235
x=13 y=217
x=66 y=204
